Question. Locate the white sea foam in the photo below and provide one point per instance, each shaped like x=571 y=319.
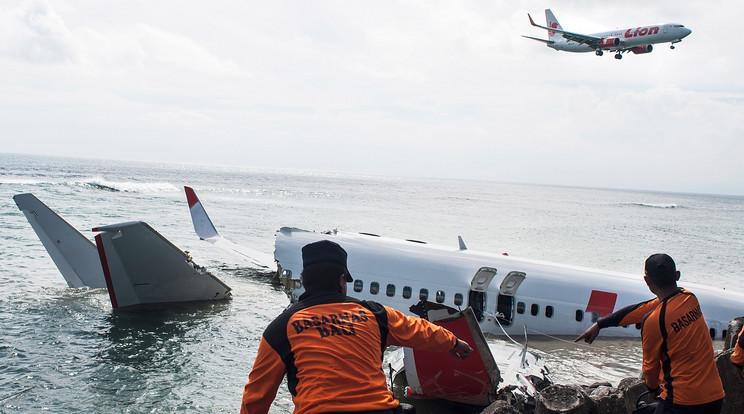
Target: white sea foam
x=654 y=205
x=129 y=186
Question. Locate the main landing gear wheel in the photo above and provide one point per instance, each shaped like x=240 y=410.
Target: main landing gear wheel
x=671 y=47
x=599 y=53
x=618 y=56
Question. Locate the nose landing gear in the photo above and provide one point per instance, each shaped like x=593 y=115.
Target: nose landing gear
x=618 y=56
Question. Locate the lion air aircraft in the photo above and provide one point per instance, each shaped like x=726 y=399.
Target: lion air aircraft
x=638 y=40
x=508 y=294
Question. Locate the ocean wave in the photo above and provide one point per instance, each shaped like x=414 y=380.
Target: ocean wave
x=129 y=186
x=653 y=205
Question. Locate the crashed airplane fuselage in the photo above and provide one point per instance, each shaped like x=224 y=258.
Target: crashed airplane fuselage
x=506 y=293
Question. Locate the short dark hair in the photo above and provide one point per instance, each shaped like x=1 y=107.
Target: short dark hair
x=323 y=275
x=660 y=268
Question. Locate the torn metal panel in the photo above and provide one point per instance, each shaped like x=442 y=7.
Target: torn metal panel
x=473 y=380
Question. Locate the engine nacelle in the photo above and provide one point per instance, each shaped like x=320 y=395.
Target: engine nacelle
x=639 y=50
x=609 y=43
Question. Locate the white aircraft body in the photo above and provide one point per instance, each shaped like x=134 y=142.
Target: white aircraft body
x=507 y=294
x=638 y=40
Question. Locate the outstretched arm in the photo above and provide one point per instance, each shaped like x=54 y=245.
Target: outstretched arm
x=590 y=334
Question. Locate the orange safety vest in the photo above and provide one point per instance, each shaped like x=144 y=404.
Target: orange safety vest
x=330 y=348
x=677 y=348
x=738 y=356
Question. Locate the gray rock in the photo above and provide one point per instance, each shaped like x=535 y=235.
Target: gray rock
x=564 y=399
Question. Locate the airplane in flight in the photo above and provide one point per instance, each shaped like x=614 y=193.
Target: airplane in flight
x=638 y=40
x=507 y=294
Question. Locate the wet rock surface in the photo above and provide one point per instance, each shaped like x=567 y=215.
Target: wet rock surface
x=630 y=394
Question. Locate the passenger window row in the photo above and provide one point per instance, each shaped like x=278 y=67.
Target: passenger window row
x=549 y=312
x=390 y=289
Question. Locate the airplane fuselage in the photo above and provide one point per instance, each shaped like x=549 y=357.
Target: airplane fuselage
x=504 y=291
x=628 y=38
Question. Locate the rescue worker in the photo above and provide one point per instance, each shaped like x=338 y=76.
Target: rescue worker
x=678 y=361
x=737 y=357
x=330 y=345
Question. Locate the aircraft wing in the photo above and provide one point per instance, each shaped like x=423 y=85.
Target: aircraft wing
x=75 y=256
x=206 y=231
x=592 y=41
x=142 y=267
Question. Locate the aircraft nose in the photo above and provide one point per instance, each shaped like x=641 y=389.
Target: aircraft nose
x=686 y=32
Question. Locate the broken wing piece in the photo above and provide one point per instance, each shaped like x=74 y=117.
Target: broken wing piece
x=472 y=381
x=206 y=231
x=74 y=254
x=142 y=267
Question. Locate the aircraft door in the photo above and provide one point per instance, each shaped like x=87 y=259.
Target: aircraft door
x=477 y=293
x=505 y=302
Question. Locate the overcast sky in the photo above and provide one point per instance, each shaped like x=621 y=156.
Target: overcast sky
x=413 y=88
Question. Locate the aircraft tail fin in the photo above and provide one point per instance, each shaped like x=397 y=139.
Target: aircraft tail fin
x=75 y=256
x=202 y=224
x=206 y=231
x=553 y=23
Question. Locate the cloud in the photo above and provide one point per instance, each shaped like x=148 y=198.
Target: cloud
x=446 y=89
x=34 y=32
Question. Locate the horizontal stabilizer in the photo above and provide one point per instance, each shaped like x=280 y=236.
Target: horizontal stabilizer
x=74 y=254
x=206 y=231
x=549 y=42
x=142 y=267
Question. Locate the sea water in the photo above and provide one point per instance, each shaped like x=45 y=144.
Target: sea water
x=66 y=350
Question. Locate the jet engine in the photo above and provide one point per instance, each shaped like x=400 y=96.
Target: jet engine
x=639 y=50
x=609 y=42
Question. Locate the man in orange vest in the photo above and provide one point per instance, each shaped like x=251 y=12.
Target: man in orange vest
x=678 y=361
x=737 y=358
x=329 y=345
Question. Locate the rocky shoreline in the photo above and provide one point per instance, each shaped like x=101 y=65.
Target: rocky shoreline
x=629 y=395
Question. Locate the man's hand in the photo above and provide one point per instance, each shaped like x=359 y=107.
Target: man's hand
x=590 y=334
x=461 y=350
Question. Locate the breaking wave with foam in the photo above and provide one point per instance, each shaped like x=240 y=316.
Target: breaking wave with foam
x=129 y=186
x=653 y=205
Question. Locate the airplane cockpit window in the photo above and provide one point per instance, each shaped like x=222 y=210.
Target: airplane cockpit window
x=548 y=311
x=390 y=291
x=458 y=299
x=374 y=287
x=534 y=309
x=520 y=307
x=440 y=296
x=579 y=315
x=424 y=294
x=358 y=285
x=407 y=292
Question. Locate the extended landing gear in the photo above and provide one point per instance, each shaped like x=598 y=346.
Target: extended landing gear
x=671 y=47
x=599 y=53
x=618 y=56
